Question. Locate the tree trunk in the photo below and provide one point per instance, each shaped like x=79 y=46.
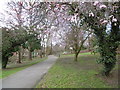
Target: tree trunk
x=4 y=62
x=107 y=49
x=22 y=54
x=107 y=56
x=30 y=55
x=76 y=57
x=19 y=56
x=51 y=51
x=108 y=68
x=33 y=54
x=109 y=63
x=40 y=53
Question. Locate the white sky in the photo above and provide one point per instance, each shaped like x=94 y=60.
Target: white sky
x=3 y=5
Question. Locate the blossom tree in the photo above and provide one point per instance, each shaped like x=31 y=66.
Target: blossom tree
x=104 y=19
x=74 y=32
x=77 y=34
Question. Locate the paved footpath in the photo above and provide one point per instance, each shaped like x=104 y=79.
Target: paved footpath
x=29 y=77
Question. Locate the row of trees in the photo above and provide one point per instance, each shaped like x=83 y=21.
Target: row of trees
x=74 y=23
x=26 y=27
x=14 y=40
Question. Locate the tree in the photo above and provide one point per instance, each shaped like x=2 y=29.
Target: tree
x=18 y=20
x=76 y=32
x=11 y=40
x=108 y=38
x=34 y=43
x=76 y=38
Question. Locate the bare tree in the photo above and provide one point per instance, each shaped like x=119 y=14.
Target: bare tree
x=15 y=11
x=76 y=38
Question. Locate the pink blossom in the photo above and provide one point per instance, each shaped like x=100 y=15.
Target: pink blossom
x=72 y=19
x=76 y=9
x=115 y=24
x=103 y=6
x=69 y=19
x=91 y=14
x=111 y=16
x=76 y=14
x=96 y=3
x=55 y=9
x=63 y=7
x=103 y=21
x=58 y=5
x=114 y=20
x=20 y=3
x=70 y=3
x=82 y=2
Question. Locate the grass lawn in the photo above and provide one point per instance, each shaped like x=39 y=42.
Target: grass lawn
x=82 y=74
x=71 y=55
x=11 y=69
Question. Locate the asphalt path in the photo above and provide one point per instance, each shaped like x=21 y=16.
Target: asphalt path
x=29 y=77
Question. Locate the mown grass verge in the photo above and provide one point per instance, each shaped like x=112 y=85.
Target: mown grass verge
x=66 y=73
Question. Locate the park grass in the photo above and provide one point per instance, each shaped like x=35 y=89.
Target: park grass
x=71 y=55
x=69 y=74
x=12 y=69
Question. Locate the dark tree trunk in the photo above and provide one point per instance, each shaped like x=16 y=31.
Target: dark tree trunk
x=4 y=62
x=33 y=54
x=107 y=50
x=109 y=58
x=19 y=56
x=51 y=51
x=40 y=53
x=30 y=55
x=76 y=57
x=108 y=67
x=22 y=54
x=44 y=51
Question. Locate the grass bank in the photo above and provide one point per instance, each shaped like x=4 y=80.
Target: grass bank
x=82 y=74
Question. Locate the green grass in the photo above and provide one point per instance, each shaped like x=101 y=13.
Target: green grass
x=68 y=74
x=15 y=68
x=71 y=55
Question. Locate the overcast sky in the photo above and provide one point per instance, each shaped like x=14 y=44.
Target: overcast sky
x=3 y=5
x=2 y=9
x=3 y=2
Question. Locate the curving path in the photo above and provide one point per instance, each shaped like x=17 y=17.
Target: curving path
x=29 y=77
